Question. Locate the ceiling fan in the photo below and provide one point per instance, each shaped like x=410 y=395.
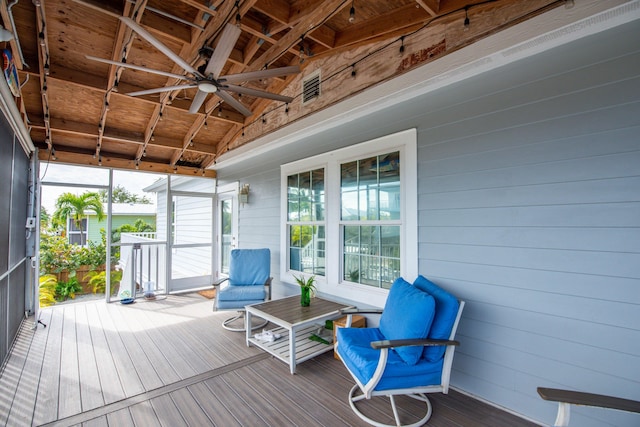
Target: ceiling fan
x=208 y=80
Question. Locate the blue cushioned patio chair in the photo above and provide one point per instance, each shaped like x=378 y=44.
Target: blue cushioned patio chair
x=249 y=282
x=410 y=353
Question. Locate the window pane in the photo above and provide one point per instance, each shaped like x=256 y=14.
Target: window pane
x=389 y=167
x=390 y=238
x=304 y=187
x=317 y=183
x=350 y=206
x=293 y=214
x=319 y=260
x=349 y=176
x=368 y=172
x=370 y=271
x=390 y=271
x=390 y=202
x=352 y=268
x=292 y=187
x=295 y=259
x=294 y=235
x=370 y=240
x=371 y=255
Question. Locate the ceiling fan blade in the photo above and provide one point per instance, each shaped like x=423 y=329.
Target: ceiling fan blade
x=137 y=67
x=262 y=74
x=161 y=89
x=230 y=100
x=223 y=49
x=257 y=92
x=159 y=45
x=197 y=101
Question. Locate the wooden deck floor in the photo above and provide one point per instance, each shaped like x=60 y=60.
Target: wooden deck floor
x=170 y=363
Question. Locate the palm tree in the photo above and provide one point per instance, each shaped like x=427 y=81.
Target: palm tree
x=72 y=206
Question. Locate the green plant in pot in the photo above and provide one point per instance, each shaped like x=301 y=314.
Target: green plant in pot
x=307 y=289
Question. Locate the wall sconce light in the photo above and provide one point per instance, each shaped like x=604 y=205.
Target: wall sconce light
x=243 y=196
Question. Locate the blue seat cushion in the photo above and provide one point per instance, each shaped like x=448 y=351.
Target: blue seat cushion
x=229 y=292
x=356 y=353
x=407 y=314
x=249 y=266
x=446 y=312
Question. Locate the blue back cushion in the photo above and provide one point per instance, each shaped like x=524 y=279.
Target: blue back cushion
x=446 y=311
x=249 y=267
x=407 y=314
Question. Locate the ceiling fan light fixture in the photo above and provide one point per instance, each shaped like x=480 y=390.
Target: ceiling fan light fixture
x=207 y=87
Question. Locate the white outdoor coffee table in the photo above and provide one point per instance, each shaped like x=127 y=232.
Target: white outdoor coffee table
x=296 y=325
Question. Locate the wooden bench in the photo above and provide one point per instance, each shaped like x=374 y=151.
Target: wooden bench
x=566 y=398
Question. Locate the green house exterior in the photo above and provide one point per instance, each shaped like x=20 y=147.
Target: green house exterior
x=122 y=214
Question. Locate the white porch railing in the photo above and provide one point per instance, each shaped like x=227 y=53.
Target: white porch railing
x=143 y=263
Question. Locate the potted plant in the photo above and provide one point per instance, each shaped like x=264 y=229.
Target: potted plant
x=307 y=289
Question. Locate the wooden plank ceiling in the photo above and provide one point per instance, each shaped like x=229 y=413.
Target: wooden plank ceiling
x=78 y=110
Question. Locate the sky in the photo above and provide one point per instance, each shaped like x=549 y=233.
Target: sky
x=52 y=172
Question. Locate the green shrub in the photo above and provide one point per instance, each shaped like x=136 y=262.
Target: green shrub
x=66 y=290
x=99 y=280
x=48 y=284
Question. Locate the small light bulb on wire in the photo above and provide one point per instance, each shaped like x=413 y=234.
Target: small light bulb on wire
x=466 y=18
x=352 y=13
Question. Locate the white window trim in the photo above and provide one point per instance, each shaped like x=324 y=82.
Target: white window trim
x=332 y=285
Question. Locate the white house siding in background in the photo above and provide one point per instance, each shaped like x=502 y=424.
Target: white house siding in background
x=528 y=209
x=192 y=224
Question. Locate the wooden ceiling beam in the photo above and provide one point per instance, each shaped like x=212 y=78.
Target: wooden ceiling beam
x=431 y=6
x=120 y=52
x=65 y=155
x=201 y=7
x=391 y=22
x=305 y=25
x=88 y=81
x=119 y=135
x=156 y=24
x=255 y=28
x=280 y=11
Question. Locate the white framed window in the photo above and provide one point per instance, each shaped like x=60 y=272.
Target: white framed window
x=76 y=235
x=350 y=217
x=306 y=221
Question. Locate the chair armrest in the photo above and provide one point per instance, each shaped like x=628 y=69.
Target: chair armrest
x=588 y=399
x=361 y=311
x=220 y=281
x=410 y=342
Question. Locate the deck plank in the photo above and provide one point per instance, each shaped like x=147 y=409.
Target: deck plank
x=112 y=390
x=18 y=396
x=129 y=380
x=121 y=418
x=190 y=409
x=140 y=366
x=144 y=416
x=90 y=386
x=47 y=397
x=220 y=415
x=167 y=412
x=69 y=370
x=232 y=401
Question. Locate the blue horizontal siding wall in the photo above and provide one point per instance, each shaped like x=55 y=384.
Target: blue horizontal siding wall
x=529 y=209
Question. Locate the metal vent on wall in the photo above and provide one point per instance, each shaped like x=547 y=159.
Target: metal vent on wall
x=311 y=87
